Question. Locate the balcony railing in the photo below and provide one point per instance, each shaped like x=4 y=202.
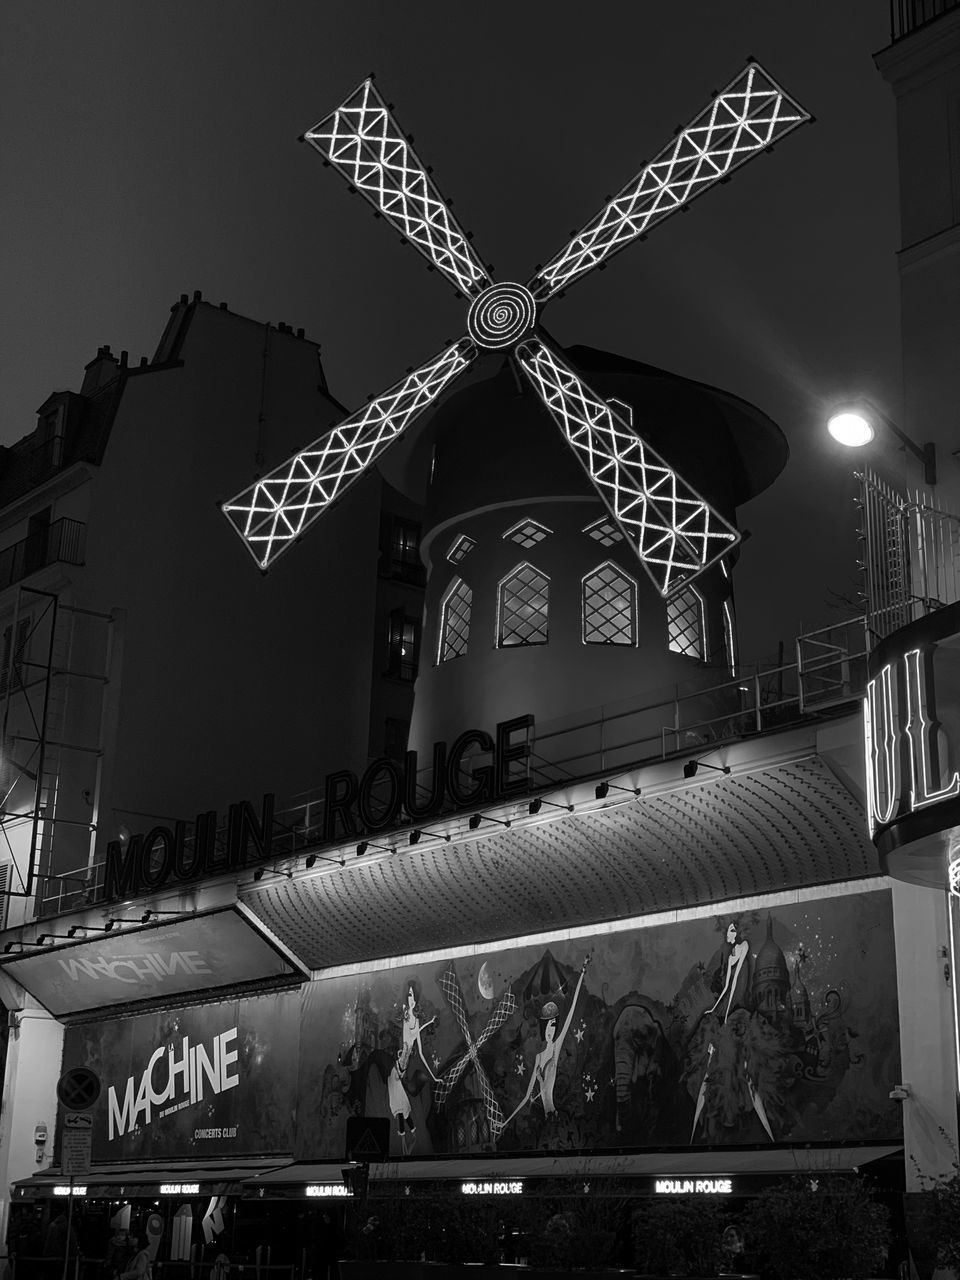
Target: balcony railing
x=907 y=15
x=61 y=541
x=829 y=673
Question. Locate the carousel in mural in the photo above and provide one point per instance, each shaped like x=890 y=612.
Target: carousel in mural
x=768 y=1027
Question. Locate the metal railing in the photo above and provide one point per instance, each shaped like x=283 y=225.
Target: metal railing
x=62 y=541
x=911 y=556
x=907 y=15
x=829 y=671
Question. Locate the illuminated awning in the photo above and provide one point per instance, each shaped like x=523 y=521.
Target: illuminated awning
x=146 y=1180
x=155 y=962
x=755 y=1161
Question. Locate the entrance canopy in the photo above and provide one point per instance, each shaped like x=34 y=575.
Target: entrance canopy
x=173 y=1178
x=714 y=1164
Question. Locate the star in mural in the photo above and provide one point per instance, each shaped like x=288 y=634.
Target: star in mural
x=590 y=1093
x=578 y=1034
x=520 y=1067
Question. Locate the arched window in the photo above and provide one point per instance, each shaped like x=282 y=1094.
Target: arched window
x=609 y=606
x=455 y=621
x=685 y=624
x=523 y=599
x=730 y=635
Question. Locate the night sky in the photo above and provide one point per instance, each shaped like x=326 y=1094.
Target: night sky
x=151 y=149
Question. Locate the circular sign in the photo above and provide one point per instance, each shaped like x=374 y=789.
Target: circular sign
x=79 y=1088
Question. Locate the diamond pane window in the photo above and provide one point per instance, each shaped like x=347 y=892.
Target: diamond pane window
x=527 y=533
x=603 y=531
x=730 y=636
x=460 y=548
x=685 y=624
x=609 y=606
x=522 y=610
x=455 y=621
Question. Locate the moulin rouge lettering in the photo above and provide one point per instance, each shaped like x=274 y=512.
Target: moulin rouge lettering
x=387 y=793
x=189 y=1078
x=146 y=968
x=906 y=749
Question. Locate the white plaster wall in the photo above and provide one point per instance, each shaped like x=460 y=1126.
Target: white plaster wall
x=926 y=1032
x=34 y=1060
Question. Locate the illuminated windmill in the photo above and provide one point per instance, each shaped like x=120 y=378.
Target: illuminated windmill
x=674 y=531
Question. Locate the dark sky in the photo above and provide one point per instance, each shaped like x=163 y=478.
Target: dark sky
x=151 y=149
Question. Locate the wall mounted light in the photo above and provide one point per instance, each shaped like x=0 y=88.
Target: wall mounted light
x=115 y=920
x=691 y=767
x=272 y=871
x=364 y=845
x=854 y=425
x=9 y=946
x=536 y=805
x=86 y=928
x=45 y=939
x=477 y=818
x=151 y=914
x=603 y=789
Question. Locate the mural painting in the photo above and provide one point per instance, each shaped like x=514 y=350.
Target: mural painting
x=771 y=1026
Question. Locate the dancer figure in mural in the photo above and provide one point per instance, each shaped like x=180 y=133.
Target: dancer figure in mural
x=543 y=1077
x=411 y=1032
x=734 y=997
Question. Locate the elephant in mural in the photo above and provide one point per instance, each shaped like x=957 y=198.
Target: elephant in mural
x=638 y=1047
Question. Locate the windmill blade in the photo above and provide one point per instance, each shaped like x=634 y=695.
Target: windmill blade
x=750 y=115
x=675 y=532
x=362 y=140
x=272 y=513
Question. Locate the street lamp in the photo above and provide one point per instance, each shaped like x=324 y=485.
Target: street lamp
x=854 y=425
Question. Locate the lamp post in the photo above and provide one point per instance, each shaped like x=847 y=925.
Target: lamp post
x=854 y=425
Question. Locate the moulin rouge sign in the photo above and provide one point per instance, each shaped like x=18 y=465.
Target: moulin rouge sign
x=911 y=721
x=387 y=795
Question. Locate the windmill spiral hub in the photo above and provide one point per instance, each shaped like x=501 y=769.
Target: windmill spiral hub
x=501 y=315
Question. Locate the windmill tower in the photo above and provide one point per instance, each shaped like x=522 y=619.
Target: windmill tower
x=621 y=522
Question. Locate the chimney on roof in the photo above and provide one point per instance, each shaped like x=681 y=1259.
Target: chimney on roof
x=101 y=370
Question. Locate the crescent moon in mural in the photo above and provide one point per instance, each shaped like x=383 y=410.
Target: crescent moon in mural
x=485 y=981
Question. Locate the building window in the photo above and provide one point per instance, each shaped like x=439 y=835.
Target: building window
x=523 y=599
x=527 y=533
x=609 y=606
x=604 y=531
x=455 y=621
x=685 y=624
x=14 y=656
x=460 y=548
x=400 y=549
x=730 y=636
x=395 y=733
x=403 y=652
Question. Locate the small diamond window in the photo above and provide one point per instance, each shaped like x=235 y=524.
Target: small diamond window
x=527 y=533
x=609 y=606
x=604 y=531
x=523 y=605
x=455 y=621
x=685 y=624
x=460 y=548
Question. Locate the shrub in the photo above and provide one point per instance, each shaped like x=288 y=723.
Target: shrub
x=677 y=1237
x=827 y=1228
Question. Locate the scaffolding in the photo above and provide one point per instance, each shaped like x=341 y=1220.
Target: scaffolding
x=53 y=671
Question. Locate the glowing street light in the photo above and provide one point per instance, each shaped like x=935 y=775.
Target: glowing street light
x=854 y=425
x=849 y=427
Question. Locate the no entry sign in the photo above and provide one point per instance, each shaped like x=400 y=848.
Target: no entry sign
x=79 y=1088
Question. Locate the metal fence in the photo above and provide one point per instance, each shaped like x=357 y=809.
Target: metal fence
x=907 y=15
x=828 y=671
x=60 y=541
x=910 y=556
